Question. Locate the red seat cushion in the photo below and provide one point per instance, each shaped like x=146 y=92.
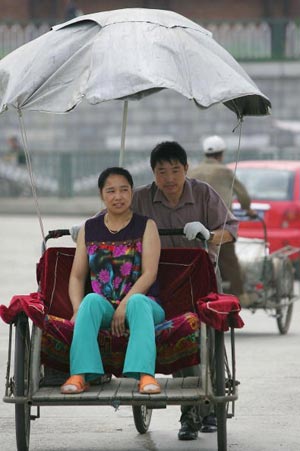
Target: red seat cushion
x=176 y=339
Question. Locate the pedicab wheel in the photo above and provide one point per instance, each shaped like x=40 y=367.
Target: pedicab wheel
x=221 y=407
x=142 y=418
x=21 y=380
x=284 y=295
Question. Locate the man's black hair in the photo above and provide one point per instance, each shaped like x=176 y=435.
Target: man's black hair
x=168 y=151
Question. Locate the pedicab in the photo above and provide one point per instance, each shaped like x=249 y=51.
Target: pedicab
x=268 y=276
x=193 y=333
x=149 y=50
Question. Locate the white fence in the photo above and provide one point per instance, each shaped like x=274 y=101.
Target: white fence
x=245 y=40
x=15 y=35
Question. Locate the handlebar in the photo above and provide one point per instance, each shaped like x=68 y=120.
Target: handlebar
x=242 y=216
x=58 y=233
x=172 y=232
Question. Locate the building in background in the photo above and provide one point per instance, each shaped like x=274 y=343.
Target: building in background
x=264 y=35
x=54 y=10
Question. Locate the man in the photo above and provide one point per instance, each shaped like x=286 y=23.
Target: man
x=213 y=171
x=175 y=201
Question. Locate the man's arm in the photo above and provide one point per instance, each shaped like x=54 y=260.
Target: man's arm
x=241 y=194
x=220 y=236
x=243 y=197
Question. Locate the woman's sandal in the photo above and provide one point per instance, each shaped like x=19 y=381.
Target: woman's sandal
x=75 y=384
x=148 y=385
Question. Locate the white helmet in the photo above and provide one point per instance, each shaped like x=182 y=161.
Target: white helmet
x=213 y=144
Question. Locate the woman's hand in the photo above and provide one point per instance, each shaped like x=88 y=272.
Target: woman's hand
x=73 y=317
x=118 y=321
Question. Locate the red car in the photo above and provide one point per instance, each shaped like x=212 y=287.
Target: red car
x=274 y=187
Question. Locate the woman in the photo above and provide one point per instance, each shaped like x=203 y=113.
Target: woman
x=121 y=250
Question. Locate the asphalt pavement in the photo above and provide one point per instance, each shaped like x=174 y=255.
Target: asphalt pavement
x=75 y=206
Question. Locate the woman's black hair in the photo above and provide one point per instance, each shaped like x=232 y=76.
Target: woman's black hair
x=115 y=170
x=168 y=151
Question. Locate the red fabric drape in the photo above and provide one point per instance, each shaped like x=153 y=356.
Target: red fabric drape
x=220 y=311
x=185 y=275
x=31 y=304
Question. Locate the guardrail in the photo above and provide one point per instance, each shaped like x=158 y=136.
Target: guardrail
x=277 y=39
x=69 y=174
x=65 y=174
x=259 y=41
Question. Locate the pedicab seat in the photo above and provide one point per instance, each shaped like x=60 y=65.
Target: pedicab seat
x=185 y=275
x=188 y=293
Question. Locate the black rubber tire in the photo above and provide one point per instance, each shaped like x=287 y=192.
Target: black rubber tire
x=284 y=294
x=221 y=408
x=142 y=418
x=21 y=379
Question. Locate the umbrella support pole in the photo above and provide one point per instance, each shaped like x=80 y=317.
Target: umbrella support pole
x=229 y=201
x=30 y=171
x=123 y=135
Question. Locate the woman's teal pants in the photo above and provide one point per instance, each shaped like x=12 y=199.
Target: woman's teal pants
x=95 y=313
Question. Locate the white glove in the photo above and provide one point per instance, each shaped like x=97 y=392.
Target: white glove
x=191 y=230
x=74 y=230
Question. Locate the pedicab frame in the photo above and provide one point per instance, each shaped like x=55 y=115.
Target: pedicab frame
x=269 y=278
x=25 y=388
x=241 y=96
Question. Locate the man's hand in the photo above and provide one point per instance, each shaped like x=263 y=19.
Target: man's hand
x=251 y=213
x=191 y=230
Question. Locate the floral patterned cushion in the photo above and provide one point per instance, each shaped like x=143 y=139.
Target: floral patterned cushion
x=177 y=345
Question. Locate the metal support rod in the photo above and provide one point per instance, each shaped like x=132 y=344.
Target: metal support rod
x=203 y=358
x=233 y=367
x=35 y=360
x=233 y=359
x=8 y=386
x=123 y=135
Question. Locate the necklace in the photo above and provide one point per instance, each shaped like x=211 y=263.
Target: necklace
x=113 y=231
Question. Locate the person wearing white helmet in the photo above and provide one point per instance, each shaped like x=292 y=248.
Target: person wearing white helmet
x=213 y=144
x=213 y=171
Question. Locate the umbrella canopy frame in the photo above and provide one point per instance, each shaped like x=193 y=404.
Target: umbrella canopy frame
x=98 y=57
x=125 y=55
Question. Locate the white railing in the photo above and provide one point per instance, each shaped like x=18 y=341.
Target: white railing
x=245 y=40
x=292 y=48
x=15 y=35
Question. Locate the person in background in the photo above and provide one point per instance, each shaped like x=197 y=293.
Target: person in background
x=15 y=154
x=212 y=170
x=120 y=250
x=175 y=201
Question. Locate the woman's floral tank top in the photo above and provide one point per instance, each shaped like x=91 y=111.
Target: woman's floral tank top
x=115 y=259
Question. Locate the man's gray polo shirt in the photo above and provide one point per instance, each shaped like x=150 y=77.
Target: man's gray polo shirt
x=199 y=202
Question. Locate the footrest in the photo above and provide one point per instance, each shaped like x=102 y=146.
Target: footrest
x=124 y=391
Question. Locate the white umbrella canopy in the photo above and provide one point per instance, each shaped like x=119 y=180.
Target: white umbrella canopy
x=125 y=54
